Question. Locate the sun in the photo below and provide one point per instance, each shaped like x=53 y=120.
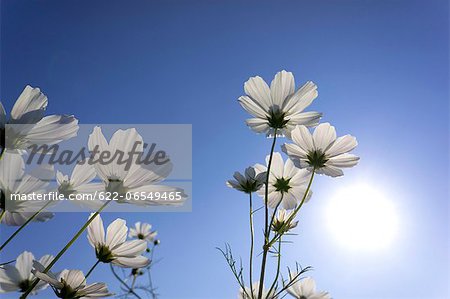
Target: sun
x=361 y=217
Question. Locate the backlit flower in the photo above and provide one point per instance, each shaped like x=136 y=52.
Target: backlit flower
x=142 y=231
x=306 y=289
x=279 y=107
x=287 y=183
x=27 y=124
x=321 y=150
x=114 y=247
x=19 y=278
x=132 y=178
x=249 y=182
x=247 y=294
x=80 y=182
x=281 y=223
x=14 y=182
x=70 y=284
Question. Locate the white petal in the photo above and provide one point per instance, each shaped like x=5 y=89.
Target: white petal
x=10 y=276
x=82 y=173
x=30 y=99
x=52 y=129
x=253 y=107
x=330 y=171
x=281 y=87
x=323 y=136
x=343 y=160
x=309 y=119
x=47 y=277
x=96 y=231
x=24 y=264
x=75 y=279
x=303 y=138
x=259 y=91
x=95 y=290
x=130 y=248
x=124 y=141
x=98 y=141
x=302 y=98
x=134 y=262
x=11 y=170
x=259 y=125
x=342 y=145
x=116 y=233
x=277 y=165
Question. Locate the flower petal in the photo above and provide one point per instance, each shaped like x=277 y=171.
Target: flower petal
x=130 y=248
x=96 y=231
x=253 y=107
x=116 y=233
x=342 y=145
x=302 y=98
x=323 y=136
x=132 y=262
x=343 y=160
x=24 y=264
x=30 y=99
x=259 y=91
x=281 y=87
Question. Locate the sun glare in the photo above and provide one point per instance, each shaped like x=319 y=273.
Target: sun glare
x=361 y=217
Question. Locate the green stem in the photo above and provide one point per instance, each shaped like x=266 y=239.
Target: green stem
x=266 y=215
x=278 y=267
x=130 y=290
x=60 y=254
x=297 y=209
x=92 y=269
x=23 y=225
x=251 y=245
x=150 y=282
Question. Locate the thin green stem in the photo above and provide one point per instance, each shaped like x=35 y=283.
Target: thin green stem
x=150 y=282
x=130 y=290
x=266 y=223
x=22 y=226
x=251 y=245
x=134 y=281
x=297 y=209
x=60 y=254
x=278 y=267
x=92 y=269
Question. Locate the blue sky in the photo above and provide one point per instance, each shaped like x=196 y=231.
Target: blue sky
x=382 y=72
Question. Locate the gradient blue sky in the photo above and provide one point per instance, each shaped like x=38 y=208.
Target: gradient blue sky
x=382 y=72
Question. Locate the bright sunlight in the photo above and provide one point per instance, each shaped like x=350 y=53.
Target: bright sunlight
x=361 y=217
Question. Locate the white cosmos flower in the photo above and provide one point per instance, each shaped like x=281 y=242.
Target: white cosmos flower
x=306 y=289
x=71 y=284
x=13 y=180
x=138 y=177
x=281 y=220
x=280 y=106
x=30 y=127
x=249 y=182
x=255 y=288
x=114 y=248
x=143 y=231
x=19 y=277
x=286 y=182
x=80 y=182
x=322 y=150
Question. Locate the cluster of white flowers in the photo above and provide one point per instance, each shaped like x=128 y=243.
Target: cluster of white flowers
x=27 y=126
x=285 y=185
